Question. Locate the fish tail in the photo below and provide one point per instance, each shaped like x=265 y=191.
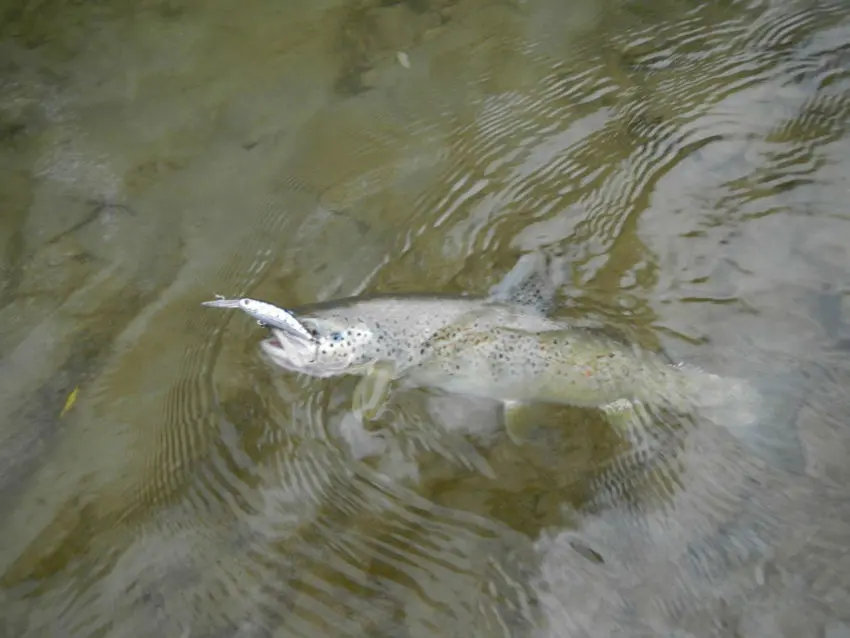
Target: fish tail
x=761 y=418
x=730 y=401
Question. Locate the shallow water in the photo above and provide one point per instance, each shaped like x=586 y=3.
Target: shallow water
x=157 y=478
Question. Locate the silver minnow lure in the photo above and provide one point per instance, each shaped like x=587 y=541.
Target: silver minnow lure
x=266 y=314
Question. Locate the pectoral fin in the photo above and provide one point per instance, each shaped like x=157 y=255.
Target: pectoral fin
x=372 y=392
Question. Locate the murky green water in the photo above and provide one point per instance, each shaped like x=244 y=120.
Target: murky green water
x=689 y=159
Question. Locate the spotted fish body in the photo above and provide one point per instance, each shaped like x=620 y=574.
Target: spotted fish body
x=354 y=334
x=571 y=366
x=501 y=347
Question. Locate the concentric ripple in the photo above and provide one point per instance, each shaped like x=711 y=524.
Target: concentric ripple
x=682 y=156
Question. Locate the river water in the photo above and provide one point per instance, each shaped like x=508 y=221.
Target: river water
x=688 y=160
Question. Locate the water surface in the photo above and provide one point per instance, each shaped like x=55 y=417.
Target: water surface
x=688 y=160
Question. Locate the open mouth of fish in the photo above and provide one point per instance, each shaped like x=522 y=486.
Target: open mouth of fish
x=273 y=342
x=280 y=347
x=291 y=353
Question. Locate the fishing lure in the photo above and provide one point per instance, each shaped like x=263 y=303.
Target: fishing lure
x=266 y=314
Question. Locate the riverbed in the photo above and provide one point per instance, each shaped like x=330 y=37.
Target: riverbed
x=686 y=161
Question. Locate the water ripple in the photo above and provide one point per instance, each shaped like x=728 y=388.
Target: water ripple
x=669 y=154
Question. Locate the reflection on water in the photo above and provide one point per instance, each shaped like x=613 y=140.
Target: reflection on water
x=688 y=159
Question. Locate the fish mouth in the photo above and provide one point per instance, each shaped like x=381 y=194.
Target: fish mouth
x=292 y=353
x=272 y=342
x=286 y=352
x=275 y=343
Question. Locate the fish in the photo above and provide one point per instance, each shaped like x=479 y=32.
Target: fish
x=505 y=346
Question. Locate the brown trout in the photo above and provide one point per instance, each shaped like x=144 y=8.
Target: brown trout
x=501 y=347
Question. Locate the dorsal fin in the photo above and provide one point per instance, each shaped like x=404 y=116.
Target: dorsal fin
x=532 y=282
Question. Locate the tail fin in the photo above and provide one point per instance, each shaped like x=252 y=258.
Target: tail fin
x=762 y=417
x=730 y=401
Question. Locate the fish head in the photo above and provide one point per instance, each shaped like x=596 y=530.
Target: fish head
x=337 y=347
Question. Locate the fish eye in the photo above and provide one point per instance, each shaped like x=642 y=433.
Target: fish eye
x=336 y=336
